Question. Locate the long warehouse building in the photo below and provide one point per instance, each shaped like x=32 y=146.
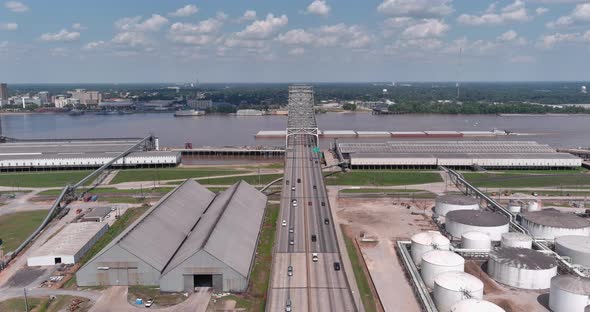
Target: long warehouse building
x=191 y=238
x=80 y=154
x=455 y=154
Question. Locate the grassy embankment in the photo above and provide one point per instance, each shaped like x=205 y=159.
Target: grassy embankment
x=411 y=193
x=255 y=298
x=362 y=280
x=61 y=303
x=516 y=180
x=16 y=227
x=382 y=178
x=41 y=179
x=137 y=175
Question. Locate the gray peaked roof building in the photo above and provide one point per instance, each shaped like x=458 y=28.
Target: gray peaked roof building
x=190 y=238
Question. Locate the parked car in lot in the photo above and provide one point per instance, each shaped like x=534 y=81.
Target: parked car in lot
x=149 y=303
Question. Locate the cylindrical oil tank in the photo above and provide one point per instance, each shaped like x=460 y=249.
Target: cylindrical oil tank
x=576 y=247
x=471 y=305
x=436 y=262
x=452 y=287
x=462 y=221
x=551 y=223
x=517 y=240
x=533 y=205
x=476 y=240
x=447 y=203
x=426 y=241
x=569 y=293
x=514 y=206
x=522 y=268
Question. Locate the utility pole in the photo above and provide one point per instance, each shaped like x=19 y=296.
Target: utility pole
x=26 y=302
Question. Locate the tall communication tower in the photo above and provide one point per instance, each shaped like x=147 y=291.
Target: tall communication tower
x=458 y=85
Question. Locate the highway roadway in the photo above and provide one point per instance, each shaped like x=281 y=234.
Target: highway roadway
x=313 y=286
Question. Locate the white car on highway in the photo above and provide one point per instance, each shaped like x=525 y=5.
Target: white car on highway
x=314 y=257
x=284 y=223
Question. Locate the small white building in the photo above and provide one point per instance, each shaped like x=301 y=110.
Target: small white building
x=69 y=245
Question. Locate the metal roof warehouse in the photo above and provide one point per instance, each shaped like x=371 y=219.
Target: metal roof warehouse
x=191 y=238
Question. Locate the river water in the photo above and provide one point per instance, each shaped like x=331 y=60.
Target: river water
x=231 y=130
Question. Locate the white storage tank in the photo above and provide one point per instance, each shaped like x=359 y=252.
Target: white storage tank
x=551 y=223
x=436 y=262
x=452 y=287
x=522 y=268
x=517 y=240
x=471 y=305
x=476 y=240
x=576 y=247
x=514 y=206
x=447 y=203
x=569 y=293
x=533 y=205
x=462 y=221
x=426 y=241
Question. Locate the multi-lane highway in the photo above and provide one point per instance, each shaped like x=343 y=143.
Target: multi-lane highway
x=301 y=281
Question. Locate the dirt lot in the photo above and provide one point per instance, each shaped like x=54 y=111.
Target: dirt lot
x=510 y=299
x=387 y=220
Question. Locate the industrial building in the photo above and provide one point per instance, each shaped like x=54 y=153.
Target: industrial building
x=426 y=241
x=79 y=154
x=97 y=214
x=68 y=245
x=569 y=293
x=455 y=154
x=446 y=203
x=576 y=247
x=453 y=287
x=190 y=238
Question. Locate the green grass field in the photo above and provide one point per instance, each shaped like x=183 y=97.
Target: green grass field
x=254 y=179
x=382 y=178
x=392 y=192
x=512 y=180
x=112 y=190
x=42 y=179
x=170 y=174
x=362 y=280
x=16 y=227
x=61 y=303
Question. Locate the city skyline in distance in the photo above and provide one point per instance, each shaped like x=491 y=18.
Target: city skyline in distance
x=315 y=41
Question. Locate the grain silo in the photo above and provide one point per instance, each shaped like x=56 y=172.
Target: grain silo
x=517 y=240
x=470 y=305
x=452 y=287
x=462 y=221
x=476 y=240
x=426 y=241
x=576 y=247
x=436 y=262
x=448 y=203
x=522 y=268
x=551 y=223
x=569 y=293
x=514 y=206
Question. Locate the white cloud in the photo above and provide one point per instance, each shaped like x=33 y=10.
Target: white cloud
x=413 y=44
x=522 y=59
x=416 y=8
x=249 y=15
x=60 y=51
x=580 y=14
x=508 y=36
x=318 y=7
x=339 y=35
x=132 y=39
x=62 y=36
x=515 y=12
x=9 y=26
x=263 y=29
x=94 y=45
x=197 y=34
x=153 y=23
x=296 y=51
x=16 y=6
x=78 y=26
x=296 y=37
x=549 y=41
x=541 y=10
x=428 y=28
x=187 y=10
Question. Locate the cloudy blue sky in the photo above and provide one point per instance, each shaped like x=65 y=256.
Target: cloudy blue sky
x=295 y=40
